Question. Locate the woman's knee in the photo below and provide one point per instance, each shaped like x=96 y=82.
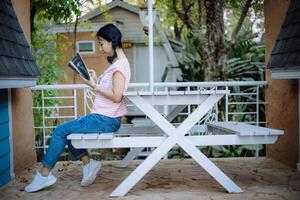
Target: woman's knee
x=60 y=131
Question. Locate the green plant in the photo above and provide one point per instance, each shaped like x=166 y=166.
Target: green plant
x=44 y=51
x=230 y=150
x=190 y=62
x=245 y=64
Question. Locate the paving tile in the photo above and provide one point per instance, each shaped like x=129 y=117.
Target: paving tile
x=260 y=178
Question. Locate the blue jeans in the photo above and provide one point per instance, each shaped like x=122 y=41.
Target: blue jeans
x=92 y=123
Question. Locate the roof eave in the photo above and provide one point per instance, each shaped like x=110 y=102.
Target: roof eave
x=17 y=82
x=284 y=73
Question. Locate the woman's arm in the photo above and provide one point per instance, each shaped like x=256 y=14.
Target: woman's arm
x=116 y=94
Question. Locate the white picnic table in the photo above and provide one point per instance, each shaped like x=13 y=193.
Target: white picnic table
x=164 y=135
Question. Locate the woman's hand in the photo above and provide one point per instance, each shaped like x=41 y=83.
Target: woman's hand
x=90 y=82
x=92 y=74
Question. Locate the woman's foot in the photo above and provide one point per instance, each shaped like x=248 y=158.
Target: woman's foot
x=40 y=182
x=90 y=171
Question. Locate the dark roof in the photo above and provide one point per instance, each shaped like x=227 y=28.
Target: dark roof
x=286 y=52
x=110 y=6
x=15 y=55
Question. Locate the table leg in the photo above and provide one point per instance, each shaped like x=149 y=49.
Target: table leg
x=175 y=135
x=131 y=155
x=209 y=166
x=136 y=151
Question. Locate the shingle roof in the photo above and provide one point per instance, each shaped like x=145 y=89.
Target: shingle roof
x=110 y=6
x=286 y=52
x=15 y=55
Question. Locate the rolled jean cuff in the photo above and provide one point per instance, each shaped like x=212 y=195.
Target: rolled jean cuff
x=47 y=165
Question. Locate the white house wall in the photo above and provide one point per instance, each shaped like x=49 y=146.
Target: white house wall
x=129 y=24
x=129 y=52
x=142 y=63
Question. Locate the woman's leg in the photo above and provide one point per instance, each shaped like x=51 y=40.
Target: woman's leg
x=103 y=124
x=88 y=124
x=91 y=123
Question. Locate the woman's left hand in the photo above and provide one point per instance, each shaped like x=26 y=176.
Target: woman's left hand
x=90 y=82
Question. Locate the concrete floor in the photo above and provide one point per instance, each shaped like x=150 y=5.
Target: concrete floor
x=260 y=178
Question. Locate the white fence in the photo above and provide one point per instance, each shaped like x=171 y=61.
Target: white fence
x=55 y=104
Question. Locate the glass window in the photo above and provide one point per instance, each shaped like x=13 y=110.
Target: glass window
x=86 y=47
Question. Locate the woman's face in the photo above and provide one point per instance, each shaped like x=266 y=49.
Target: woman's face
x=105 y=46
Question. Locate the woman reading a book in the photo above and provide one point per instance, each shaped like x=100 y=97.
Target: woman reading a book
x=105 y=117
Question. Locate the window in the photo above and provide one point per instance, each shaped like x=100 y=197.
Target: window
x=85 y=47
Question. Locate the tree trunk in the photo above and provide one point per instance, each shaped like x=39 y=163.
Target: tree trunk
x=209 y=44
x=32 y=15
x=214 y=46
x=177 y=31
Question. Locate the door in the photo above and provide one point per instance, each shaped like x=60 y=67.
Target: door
x=5 y=173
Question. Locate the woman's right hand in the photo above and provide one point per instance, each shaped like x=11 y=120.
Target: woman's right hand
x=93 y=74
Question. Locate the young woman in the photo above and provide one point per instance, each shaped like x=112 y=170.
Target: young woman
x=108 y=107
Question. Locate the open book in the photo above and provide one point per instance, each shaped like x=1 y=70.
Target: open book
x=78 y=65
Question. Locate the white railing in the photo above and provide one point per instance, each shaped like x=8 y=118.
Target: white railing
x=58 y=103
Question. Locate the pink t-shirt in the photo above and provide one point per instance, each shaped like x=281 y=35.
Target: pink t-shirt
x=103 y=105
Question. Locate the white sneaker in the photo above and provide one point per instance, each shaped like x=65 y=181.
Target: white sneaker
x=40 y=182
x=90 y=171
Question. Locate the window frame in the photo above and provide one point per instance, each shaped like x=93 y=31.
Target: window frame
x=85 y=41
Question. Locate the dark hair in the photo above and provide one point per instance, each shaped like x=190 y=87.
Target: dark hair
x=111 y=34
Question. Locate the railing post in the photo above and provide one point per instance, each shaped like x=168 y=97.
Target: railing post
x=75 y=102
x=166 y=112
x=257 y=105
x=84 y=101
x=257 y=118
x=151 y=46
x=217 y=110
x=44 y=123
x=226 y=106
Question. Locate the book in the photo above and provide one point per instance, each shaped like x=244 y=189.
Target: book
x=78 y=66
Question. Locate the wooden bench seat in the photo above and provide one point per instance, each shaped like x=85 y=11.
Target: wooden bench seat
x=219 y=133
x=241 y=129
x=132 y=130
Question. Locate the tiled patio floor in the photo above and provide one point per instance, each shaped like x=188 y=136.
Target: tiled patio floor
x=260 y=178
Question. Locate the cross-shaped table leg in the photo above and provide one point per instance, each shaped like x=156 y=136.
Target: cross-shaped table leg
x=133 y=153
x=176 y=135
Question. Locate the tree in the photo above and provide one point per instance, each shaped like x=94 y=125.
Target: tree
x=57 y=10
x=202 y=21
x=65 y=11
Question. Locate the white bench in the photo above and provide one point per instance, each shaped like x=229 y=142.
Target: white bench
x=222 y=133
x=241 y=129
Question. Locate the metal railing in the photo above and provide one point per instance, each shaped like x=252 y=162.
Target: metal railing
x=57 y=103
